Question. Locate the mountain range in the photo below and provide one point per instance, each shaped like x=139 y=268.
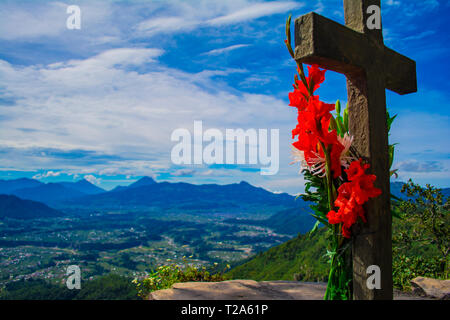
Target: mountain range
x=14 y=207
x=396 y=188
x=49 y=193
x=147 y=193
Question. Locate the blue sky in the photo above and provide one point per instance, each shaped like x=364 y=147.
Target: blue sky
x=100 y=103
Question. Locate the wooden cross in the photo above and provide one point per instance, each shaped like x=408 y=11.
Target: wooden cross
x=370 y=68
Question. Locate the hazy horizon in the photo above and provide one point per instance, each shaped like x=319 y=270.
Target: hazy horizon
x=101 y=102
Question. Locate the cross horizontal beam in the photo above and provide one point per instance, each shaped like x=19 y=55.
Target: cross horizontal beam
x=333 y=46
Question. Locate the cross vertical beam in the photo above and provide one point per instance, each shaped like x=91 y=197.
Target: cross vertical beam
x=370 y=68
x=372 y=243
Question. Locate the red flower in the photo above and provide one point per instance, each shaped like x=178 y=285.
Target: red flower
x=313 y=124
x=307 y=142
x=297 y=99
x=362 y=183
x=364 y=189
x=314 y=139
x=352 y=195
x=356 y=170
x=315 y=77
x=320 y=110
x=300 y=97
x=335 y=155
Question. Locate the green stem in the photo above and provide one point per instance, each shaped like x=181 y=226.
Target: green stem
x=326 y=151
x=330 y=280
x=337 y=270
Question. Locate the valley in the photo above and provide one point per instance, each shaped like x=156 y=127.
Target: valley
x=129 y=243
x=132 y=230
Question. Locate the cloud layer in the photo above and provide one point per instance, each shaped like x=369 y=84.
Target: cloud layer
x=102 y=101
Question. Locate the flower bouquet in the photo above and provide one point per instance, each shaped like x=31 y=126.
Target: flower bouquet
x=337 y=180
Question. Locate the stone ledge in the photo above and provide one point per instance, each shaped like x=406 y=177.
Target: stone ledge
x=250 y=290
x=434 y=288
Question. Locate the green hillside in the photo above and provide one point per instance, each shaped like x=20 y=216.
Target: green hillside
x=16 y=208
x=420 y=244
x=302 y=258
x=289 y=221
x=109 y=287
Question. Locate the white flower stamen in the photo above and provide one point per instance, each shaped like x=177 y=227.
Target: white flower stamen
x=318 y=163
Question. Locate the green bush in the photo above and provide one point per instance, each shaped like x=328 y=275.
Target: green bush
x=406 y=268
x=165 y=276
x=302 y=258
x=421 y=237
x=109 y=287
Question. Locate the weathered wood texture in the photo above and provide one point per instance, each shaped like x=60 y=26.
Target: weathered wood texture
x=370 y=68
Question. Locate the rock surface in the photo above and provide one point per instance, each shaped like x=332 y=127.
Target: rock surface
x=434 y=288
x=249 y=290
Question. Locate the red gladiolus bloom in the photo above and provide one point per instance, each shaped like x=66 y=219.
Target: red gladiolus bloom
x=356 y=170
x=307 y=142
x=300 y=97
x=352 y=195
x=315 y=76
x=362 y=183
x=335 y=155
x=314 y=122
x=314 y=140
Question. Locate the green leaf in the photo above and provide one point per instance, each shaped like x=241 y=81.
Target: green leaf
x=391 y=151
x=346 y=118
x=396 y=213
x=288 y=31
x=395 y=197
x=314 y=229
x=393 y=173
x=288 y=36
x=341 y=128
x=333 y=124
x=322 y=220
x=338 y=107
x=389 y=120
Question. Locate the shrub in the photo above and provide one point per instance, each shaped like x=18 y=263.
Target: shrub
x=405 y=268
x=165 y=276
x=421 y=237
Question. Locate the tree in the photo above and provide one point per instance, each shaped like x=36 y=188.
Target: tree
x=424 y=230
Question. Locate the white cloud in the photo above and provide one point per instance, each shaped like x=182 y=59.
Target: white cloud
x=254 y=11
x=18 y=22
x=420 y=132
x=295 y=184
x=226 y=49
x=420 y=35
x=320 y=7
x=256 y=80
x=420 y=166
x=100 y=114
x=47 y=174
x=92 y=179
x=185 y=16
x=166 y=24
x=26 y=20
x=183 y=172
x=392 y=3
